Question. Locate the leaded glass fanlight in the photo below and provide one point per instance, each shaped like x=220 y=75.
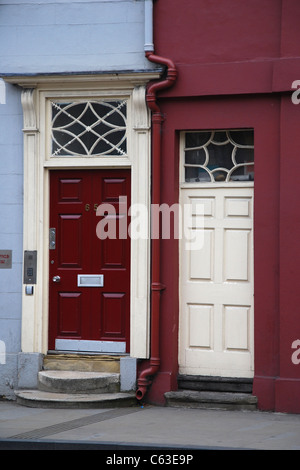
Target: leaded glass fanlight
x=215 y=156
x=89 y=128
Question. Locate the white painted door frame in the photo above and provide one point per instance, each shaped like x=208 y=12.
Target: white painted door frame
x=37 y=91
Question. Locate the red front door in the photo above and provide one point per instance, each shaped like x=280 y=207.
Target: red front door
x=89 y=292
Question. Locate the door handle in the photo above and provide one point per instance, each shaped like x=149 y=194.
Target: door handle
x=56 y=279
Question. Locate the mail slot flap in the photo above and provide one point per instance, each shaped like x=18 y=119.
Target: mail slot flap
x=90 y=280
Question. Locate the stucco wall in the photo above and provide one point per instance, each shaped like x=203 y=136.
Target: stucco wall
x=11 y=222
x=49 y=36
x=226 y=53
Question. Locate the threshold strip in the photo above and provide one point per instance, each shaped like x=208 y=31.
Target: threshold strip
x=73 y=424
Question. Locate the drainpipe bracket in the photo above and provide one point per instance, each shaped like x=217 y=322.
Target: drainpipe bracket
x=158 y=286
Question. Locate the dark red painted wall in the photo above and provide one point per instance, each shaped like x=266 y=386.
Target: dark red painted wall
x=210 y=31
x=287 y=386
x=236 y=62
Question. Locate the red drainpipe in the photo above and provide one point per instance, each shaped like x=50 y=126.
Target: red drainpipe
x=145 y=378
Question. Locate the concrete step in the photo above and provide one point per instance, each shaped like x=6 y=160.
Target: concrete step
x=43 y=399
x=78 y=382
x=211 y=400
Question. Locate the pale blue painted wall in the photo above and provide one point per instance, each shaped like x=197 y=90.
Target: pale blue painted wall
x=42 y=37
x=11 y=224
x=48 y=36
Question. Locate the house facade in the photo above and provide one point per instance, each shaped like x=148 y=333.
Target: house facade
x=229 y=151
x=149 y=191
x=75 y=135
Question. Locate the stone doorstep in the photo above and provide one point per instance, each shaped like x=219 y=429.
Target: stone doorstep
x=124 y=365
x=81 y=381
x=78 y=382
x=214 y=383
x=76 y=389
x=211 y=400
x=42 y=399
x=82 y=362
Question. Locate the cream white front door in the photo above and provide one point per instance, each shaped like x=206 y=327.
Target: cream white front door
x=216 y=281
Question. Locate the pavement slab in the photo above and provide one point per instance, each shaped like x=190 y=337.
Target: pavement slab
x=150 y=426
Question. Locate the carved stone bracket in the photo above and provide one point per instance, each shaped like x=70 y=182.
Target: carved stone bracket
x=141 y=114
x=29 y=109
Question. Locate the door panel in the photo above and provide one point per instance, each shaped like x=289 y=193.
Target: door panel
x=216 y=285
x=84 y=313
x=70 y=253
x=236 y=255
x=114 y=307
x=69 y=313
